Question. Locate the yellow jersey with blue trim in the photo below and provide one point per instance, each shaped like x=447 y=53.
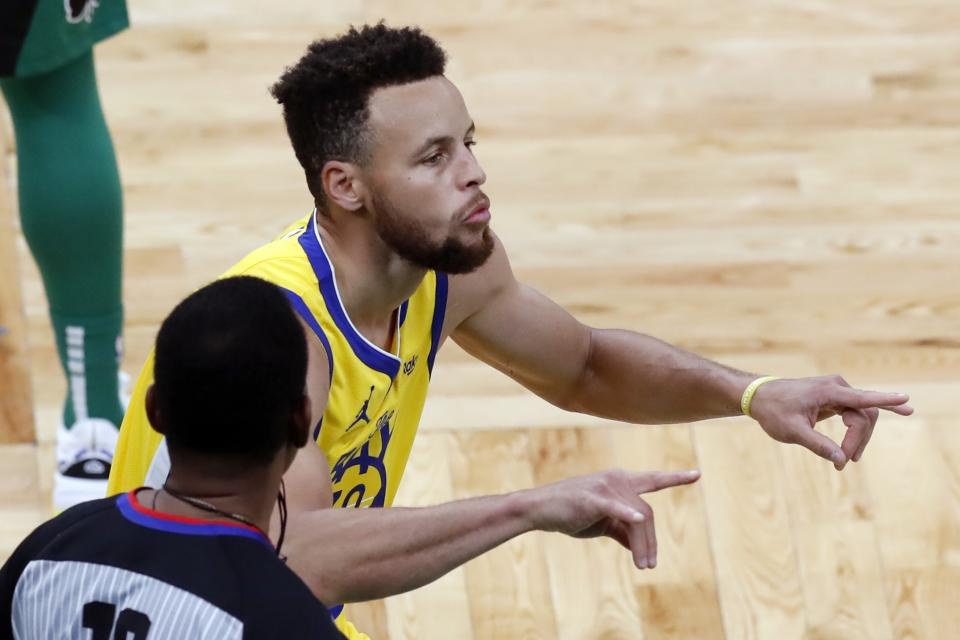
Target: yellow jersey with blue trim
x=376 y=396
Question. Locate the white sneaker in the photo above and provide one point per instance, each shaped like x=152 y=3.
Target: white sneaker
x=84 y=456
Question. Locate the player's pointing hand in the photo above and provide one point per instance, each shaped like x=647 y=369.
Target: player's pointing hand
x=788 y=411
x=606 y=504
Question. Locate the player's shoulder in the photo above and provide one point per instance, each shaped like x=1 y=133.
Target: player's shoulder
x=285 y=244
x=281 y=261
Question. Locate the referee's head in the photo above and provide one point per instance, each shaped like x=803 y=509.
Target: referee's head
x=230 y=377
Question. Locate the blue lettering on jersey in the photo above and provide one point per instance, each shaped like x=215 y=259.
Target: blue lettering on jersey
x=360 y=476
x=409 y=365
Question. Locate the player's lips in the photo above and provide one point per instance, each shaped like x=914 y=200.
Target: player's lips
x=480 y=214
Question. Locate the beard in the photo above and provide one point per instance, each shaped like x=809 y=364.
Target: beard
x=411 y=241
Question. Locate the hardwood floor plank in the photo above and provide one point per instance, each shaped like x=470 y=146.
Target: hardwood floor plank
x=753 y=543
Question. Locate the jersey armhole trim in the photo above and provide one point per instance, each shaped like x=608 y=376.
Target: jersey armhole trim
x=439 y=313
x=304 y=312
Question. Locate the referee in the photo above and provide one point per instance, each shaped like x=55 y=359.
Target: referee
x=192 y=559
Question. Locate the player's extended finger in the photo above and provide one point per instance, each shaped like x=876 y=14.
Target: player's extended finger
x=618 y=510
x=859 y=427
x=656 y=480
x=638 y=544
x=650 y=531
x=858 y=399
x=820 y=444
x=873 y=414
x=899 y=409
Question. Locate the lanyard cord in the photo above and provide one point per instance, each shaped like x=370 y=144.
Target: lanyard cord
x=203 y=505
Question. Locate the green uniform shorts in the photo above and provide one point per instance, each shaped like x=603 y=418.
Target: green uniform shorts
x=37 y=36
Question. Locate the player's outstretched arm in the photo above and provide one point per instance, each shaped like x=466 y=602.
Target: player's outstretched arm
x=349 y=555
x=628 y=376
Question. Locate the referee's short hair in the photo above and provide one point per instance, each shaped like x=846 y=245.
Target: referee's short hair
x=229 y=371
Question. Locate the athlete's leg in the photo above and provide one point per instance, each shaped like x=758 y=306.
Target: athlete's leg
x=72 y=217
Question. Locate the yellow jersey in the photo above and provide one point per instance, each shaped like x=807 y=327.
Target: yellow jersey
x=376 y=397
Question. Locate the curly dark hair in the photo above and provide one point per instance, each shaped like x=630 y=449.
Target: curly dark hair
x=325 y=94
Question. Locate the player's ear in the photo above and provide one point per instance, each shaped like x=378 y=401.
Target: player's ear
x=300 y=423
x=343 y=184
x=153 y=414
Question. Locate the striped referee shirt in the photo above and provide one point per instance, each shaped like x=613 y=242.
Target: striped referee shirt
x=113 y=568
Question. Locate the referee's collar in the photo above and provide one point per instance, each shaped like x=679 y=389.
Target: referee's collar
x=137 y=513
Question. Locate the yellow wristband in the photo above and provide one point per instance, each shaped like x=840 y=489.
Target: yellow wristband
x=751 y=389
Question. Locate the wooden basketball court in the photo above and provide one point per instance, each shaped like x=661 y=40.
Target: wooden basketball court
x=771 y=184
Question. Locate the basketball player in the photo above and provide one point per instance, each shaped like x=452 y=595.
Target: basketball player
x=190 y=559
x=71 y=212
x=397 y=257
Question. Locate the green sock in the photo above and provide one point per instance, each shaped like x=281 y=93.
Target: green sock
x=71 y=212
x=89 y=347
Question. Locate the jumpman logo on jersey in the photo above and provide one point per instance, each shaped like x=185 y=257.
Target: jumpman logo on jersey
x=362 y=413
